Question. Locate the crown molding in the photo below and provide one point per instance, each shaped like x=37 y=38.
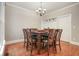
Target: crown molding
x=48 y=12
x=15 y=6
x=14 y=41
x=65 y=7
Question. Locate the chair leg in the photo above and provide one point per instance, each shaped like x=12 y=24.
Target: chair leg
x=48 y=49
x=27 y=46
x=31 y=50
x=24 y=43
x=55 y=49
x=60 y=46
x=35 y=45
x=43 y=44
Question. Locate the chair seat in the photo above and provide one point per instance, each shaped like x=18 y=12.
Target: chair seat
x=44 y=37
x=45 y=40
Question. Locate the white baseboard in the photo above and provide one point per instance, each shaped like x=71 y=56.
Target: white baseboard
x=72 y=42
x=75 y=43
x=21 y=40
x=2 y=48
x=65 y=40
x=14 y=41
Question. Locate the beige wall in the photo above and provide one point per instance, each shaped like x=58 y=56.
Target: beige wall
x=75 y=23
x=17 y=19
x=74 y=11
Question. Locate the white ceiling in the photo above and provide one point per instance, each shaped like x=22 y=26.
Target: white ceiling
x=50 y=6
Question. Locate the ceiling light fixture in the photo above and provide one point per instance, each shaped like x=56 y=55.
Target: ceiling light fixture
x=40 y=10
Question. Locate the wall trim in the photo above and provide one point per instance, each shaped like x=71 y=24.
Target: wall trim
x=21 y=40
x=65 y=40
x=2 y=48
x=19 y=7
x=65 y=7
x=71 y=42
x=75 y=43
x=14 y=41
x=9 y=4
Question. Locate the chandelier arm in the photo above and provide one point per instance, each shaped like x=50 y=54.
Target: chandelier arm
x=41 y=5
x=40 y=10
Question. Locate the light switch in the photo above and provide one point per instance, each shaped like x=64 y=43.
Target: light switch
x=74 y=38
x=74 y=27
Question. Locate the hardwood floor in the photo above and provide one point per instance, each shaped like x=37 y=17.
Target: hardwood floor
x=18 y=49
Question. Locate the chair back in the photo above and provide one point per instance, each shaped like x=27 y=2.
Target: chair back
x=29 y=36
x=33 y=29
x=51 y=35
x=25 y=34
x=59 y=33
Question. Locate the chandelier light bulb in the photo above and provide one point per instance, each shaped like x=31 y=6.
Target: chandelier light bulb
x=39 y=8
x=44 y=9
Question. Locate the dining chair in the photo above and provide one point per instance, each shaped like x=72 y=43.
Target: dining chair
x=25 y=37
x=58 y=38
x=45 y=36
x=32 y=42
x=52 y=40
x=29 y=41
x=34 y=35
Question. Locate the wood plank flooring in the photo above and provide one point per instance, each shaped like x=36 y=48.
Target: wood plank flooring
x=18 y=49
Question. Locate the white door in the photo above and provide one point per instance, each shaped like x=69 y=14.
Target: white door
x=64 y=22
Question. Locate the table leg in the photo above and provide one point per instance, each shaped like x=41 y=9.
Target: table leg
x=39 y=43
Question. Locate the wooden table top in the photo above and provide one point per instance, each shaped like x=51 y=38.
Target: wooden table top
x=39 y=31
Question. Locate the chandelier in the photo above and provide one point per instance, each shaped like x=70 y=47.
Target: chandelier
x=40 y=11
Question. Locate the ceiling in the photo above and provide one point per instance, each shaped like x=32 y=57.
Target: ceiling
x=49 y=6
